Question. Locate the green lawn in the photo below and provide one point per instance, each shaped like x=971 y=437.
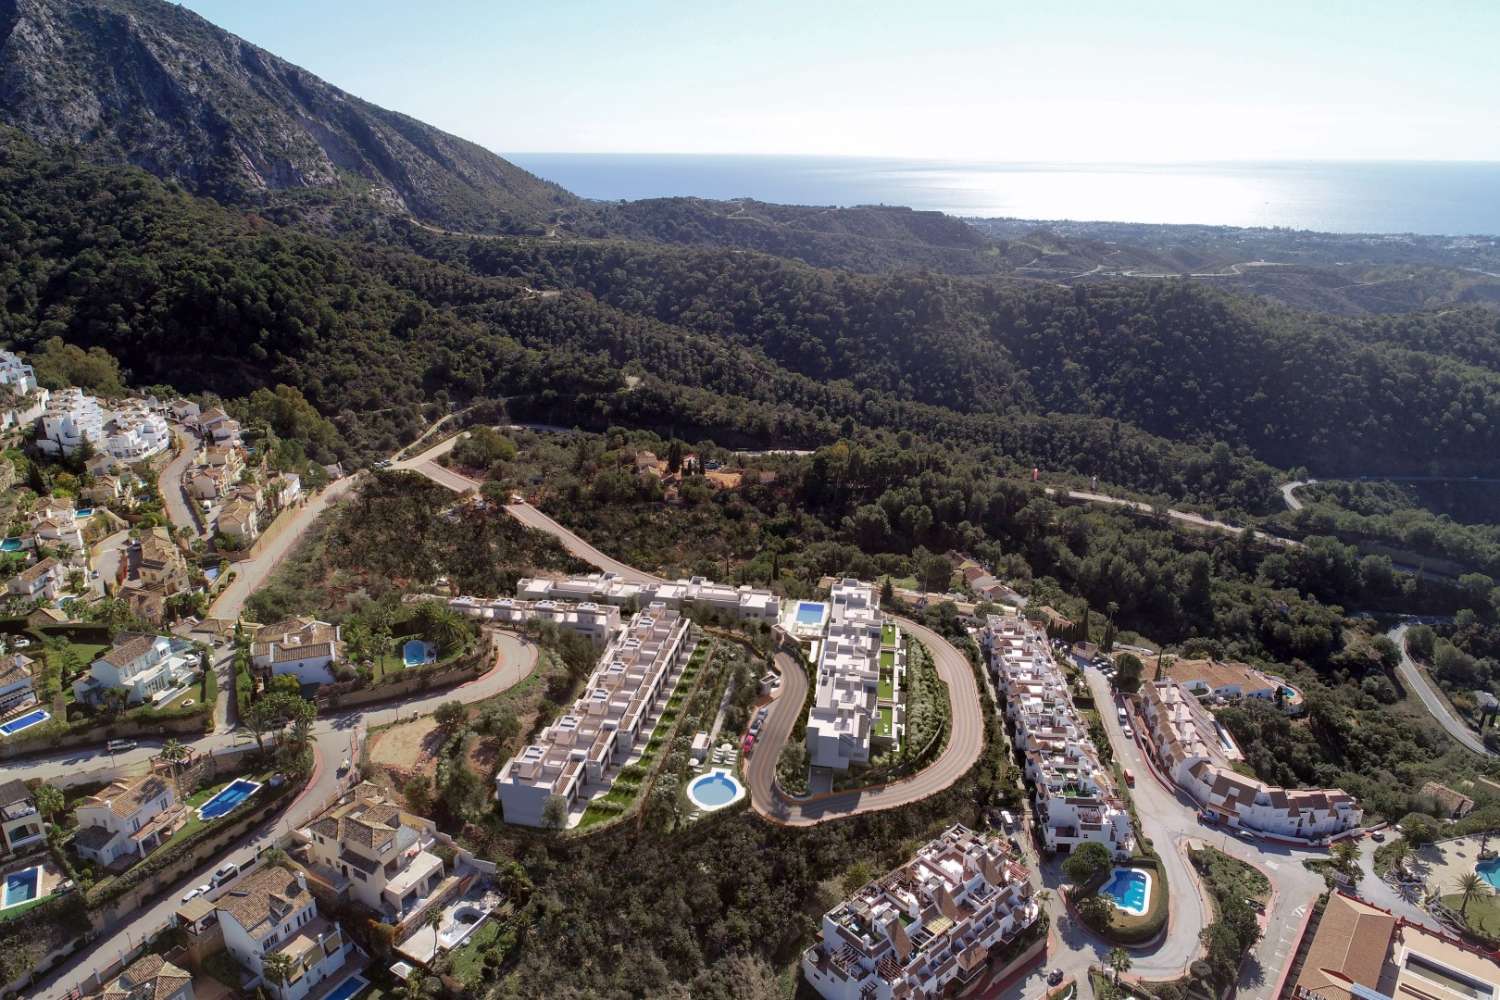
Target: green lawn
x=467 y=963
x=887 y=690
x=889 y=634
x=1483 y=914
x=886 y=722
x=887 y=658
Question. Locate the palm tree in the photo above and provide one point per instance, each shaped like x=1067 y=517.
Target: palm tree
x=449 y=629
x=49 y=801
x=1119 y=960
x=1469 y=886
x=1043 y=897
x=1346 y=856
x=435 y=920
x=174 y=753
x=278 y=968
x=1398 y=852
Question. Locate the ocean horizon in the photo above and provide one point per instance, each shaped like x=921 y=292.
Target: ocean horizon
x=1428 y=198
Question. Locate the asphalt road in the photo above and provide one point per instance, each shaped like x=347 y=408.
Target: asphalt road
x=965 y=745
x=1289 y=493
x=1181 y=516
x=515 y=659
x=1431 y=698
x=760 y=766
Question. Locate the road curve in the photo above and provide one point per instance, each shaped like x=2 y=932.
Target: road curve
x=965 y=745
x=1289 y=492
x=1431 y=698
x=515 y=658
x=760 y=766
x=169 y=483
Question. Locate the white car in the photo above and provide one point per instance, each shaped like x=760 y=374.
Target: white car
x=194 y=892
x=1129 y=733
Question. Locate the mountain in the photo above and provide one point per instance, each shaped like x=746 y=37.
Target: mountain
x=155 y=85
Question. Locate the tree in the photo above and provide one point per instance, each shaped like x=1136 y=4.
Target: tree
x=278 y=967
x=1418 y=828
x=1129 y=670
x=1469 y=886
x=1088 y=862
x=434 y=920
x=49 y=801
x=555 y=812
x=1346 y=857
x=450 y=715
x=1119 y=961
x=174 y=753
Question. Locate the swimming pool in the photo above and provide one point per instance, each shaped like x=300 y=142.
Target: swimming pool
x=10 y=545
x=230 y=796
x=1129 y=889
x=32 y=718
x=1489 y=871
x=86 y=512
x=715 y=790
x=809 y=613
x=347 y=989
x=21 y=887
x=416 y=652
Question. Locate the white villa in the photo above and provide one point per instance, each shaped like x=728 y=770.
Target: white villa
x=595 y=622
x=1074 y=797
x=381 y=850
x=582 y=749
x=847 y=718
x=16 y=374
x=930 y=928
x=1188 y=745
x=21 y=825
x=271 y=911
x=71 y=418
x=218 y=427
x=147 y=667
x=743 y=603
x=25 y=401
x=127 y=820
x=54 y=523
x=135 y=431
x=40 y=581
x=149 y=977
x=17 y=682
x=303 y=647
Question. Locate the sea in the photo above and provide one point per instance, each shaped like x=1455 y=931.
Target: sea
x=1430 y=198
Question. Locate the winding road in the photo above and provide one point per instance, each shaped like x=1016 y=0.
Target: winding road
x=1181 y=516
x=1431 y=698
x=515 y=658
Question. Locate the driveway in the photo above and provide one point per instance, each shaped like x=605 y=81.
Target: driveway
x=335 y=736
x=965 y=745
x=1432 y=699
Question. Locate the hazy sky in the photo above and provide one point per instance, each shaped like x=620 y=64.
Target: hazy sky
x=991 y=80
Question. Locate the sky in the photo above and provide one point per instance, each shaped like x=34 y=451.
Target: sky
x=998 y=80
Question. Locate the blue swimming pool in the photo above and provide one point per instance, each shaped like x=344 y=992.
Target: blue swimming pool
x=809 y=613
x=715 y=790
x=1490 y=872
x=347 y=989
x=86 y=512
x=1129 y=889
x=20 y=887
x=33 y=718
x=230 y=796
x=416 y=652
x=10 y=545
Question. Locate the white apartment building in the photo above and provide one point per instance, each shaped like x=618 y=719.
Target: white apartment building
x=16 y=374
x=71 y=418
x=303 y=647
x=930 y=928
x=847 y=719
x=17 y=682
x=24 y=401
x=584 y=748
x=271 y=911
x=1187 y=744
x=742 y=603
x=1074 y=797
x=135 y=431
x=127 y=820
x=147 y=667
x=595 y=622
x=381 y=850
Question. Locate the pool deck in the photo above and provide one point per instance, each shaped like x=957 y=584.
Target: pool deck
x=1442 y=863
x=49 y=881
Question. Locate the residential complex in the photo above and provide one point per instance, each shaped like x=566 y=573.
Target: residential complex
x=1361 y=952
x=595 y=622
x=21 y=824
x=582 y=750
x=742 y=603
x=303 y=647
x=130 y=432
x=161 y=572
x=146 y=667
x=1194 y=750
x=271 y=912
x=127 y=820
x=927 y=929
x=849 y=718
x=1230 y=681
x=1075 y=798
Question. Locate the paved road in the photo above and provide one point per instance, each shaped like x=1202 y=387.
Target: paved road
x=1182 y=516
x=107 y=553
x=169 y=484
x=1289 y=492
x=250 y=574
x=1433 y=699
x=516 y=658
x=965 y=745
x=760 y=766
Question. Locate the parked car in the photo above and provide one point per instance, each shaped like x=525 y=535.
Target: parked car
x=224 y=873
x=1377 y=835
x=1129 y=733
x=120 y=746
x=1204 y=816
x=194 y=892
x=1245 y=835
x=1054 y=977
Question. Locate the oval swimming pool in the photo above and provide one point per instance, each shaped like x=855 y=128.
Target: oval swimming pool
x=715 y=790
x=1129 y=889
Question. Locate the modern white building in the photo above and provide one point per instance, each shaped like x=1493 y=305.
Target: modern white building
x=584 y=748
x=595 y=622
x=23 y=401
x=382 y=851
x=21 y=824
x=146 y=667
x=271 y=912
x=135 y=431
x=743 y=603
x=16 y=375
x=848 y=719
x=1074 y=797
x=931 y=928
x=17 y=682
x=71 y=418
x=127 y=820
x=303 y=647
x=1189 y=745
x=55 y=525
